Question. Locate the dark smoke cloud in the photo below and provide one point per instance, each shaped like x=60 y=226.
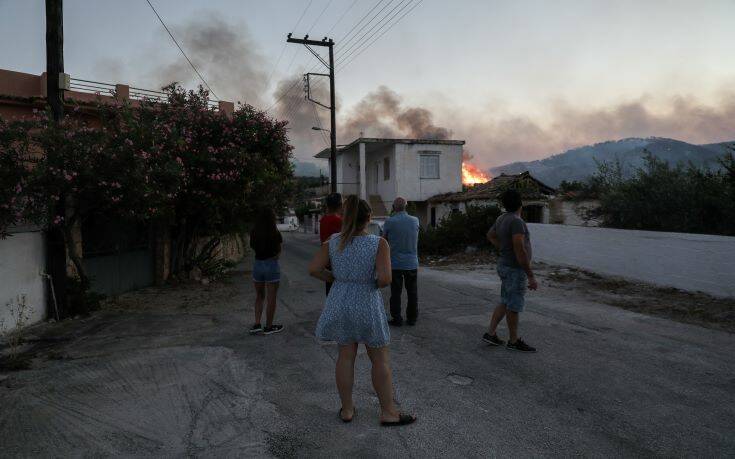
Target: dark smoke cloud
x=224 y=53
x=302 y=115
x=382 y=114
x=498 y=139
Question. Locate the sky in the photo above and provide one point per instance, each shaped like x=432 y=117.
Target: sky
x=518 y=80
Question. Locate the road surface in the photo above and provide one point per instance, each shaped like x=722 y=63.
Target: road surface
x=186 y=379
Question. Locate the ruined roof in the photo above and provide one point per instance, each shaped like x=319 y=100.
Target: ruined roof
x=325 y=153
x=530 y=188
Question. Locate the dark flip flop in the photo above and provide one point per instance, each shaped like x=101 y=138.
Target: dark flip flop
x=403 y=420
x=339 y=413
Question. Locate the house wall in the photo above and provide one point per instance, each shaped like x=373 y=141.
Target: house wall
x=695 y=262
x=445 y=208
x=409 y=183
x=22 y=258
x=348 y=173
x=566 y=212
x=387 y=190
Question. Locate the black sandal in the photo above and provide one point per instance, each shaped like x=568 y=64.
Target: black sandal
x=354 y=412
x=403 y=420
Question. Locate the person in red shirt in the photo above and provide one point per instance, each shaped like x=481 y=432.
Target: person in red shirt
x=332 y=222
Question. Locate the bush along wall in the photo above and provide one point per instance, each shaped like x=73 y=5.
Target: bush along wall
x=458 y=230
x=181 y=166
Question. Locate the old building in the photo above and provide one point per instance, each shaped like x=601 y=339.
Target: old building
x=379 y=170
x=536 y=196
x=572 y=209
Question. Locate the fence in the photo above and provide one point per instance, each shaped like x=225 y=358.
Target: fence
x=132 y=93
x=694 y=262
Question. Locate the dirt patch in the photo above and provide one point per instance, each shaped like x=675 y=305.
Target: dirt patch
x=471 y=258
x=188 y=295
x=679 y=305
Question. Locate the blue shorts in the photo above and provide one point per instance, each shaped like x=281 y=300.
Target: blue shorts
x=266 y=270
x=513 y=282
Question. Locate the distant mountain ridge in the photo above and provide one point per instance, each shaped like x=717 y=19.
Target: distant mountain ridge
x=581 y=163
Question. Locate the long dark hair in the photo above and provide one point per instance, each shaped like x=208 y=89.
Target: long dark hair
x=355 y=216
x=265 y=225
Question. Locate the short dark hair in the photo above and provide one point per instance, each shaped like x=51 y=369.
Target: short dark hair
x=511 y=200
x=334 y=201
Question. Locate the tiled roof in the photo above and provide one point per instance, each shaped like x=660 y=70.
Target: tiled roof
x=530 y=188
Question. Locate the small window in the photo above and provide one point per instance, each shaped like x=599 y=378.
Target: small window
x=429 y=166
x=386 y=168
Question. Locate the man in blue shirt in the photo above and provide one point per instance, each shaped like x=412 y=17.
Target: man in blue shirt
x=402 y=233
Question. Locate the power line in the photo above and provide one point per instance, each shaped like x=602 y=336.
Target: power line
x=341 y=17
x=345 y=41
x=318 y=17
x=373 y=40
x=319 y=124
x=270 y=77
x=291 y=106
x=291 y=88
x=182 y=51
x=358 y=43
x=345 y=64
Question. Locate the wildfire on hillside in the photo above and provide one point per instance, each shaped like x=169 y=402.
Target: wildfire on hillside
x=472 y=175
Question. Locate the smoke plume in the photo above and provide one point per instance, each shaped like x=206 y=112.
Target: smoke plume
x=303 y=115
x=382 y=114
x=224 y=53
x=498 y=138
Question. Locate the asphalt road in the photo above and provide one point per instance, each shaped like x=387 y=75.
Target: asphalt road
x=188 y=380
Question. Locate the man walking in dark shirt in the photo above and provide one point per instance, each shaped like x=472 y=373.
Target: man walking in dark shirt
x=510 y=236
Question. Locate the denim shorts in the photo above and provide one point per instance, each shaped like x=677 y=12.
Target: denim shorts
x=513 y=283
x=266 y=270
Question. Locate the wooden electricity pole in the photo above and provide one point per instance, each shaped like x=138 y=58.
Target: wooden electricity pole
x=55 y=248
x=55 y=56
x=332 y=108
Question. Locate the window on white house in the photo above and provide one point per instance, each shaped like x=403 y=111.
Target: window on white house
x=429 y=166
x=386 y=168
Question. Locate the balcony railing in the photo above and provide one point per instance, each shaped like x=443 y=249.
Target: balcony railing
x=92 y=87
x=110 y=90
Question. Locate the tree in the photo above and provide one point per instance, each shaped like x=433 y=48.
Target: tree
x=181 y=166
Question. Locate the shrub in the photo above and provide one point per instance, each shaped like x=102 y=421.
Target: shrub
x=660 y=197
x=179 y=165
x=458 y=230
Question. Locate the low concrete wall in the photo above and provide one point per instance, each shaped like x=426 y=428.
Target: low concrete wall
x=22 y=256
x=695 y=262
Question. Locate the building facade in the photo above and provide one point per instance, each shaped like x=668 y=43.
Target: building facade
x=379 y=170
x=536 y=197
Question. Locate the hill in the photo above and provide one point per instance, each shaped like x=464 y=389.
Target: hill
x=308 y=169
x=580 y=163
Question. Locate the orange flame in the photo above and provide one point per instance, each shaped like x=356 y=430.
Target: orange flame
x=472 y=175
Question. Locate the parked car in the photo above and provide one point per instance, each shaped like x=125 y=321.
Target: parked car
x=376 y=226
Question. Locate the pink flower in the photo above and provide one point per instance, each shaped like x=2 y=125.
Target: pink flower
x=58 y=219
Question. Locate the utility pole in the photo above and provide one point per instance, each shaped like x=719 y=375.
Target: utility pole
x=55 y=248
x=55 y=56
x=332 y=108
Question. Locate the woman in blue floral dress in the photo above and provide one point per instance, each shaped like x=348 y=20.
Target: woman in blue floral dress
x=354 y=313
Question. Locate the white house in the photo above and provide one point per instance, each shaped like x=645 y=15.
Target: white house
x=379 y=170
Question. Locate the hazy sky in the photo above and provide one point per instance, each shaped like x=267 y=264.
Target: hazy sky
x=517 y=79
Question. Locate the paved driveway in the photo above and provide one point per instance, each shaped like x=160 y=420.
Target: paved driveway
x=175 y=374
